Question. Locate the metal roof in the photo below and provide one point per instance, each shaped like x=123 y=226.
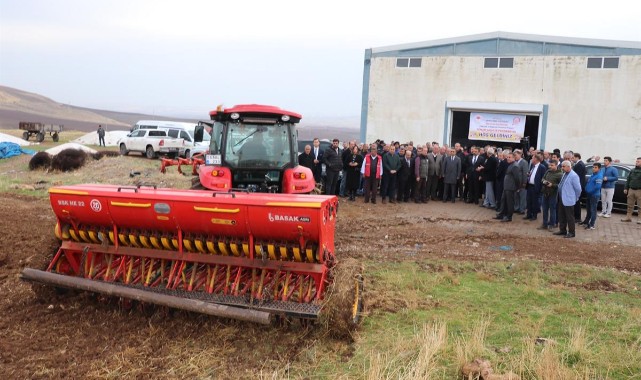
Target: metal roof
x=496 y=42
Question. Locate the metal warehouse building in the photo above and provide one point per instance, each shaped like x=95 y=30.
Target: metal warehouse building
x=566 y=93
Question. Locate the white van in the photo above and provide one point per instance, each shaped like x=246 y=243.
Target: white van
x=178 y=129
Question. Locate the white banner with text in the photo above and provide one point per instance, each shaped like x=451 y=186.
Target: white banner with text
x=496 y=127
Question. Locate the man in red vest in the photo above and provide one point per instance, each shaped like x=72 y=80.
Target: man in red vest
x=371 y=170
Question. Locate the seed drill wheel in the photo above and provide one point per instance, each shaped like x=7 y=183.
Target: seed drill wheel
x=343 y=305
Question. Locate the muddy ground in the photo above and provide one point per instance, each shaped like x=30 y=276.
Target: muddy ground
x=77 y=336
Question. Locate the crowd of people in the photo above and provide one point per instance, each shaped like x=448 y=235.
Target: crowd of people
x=508 y=181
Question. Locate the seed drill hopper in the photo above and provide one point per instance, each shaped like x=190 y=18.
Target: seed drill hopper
x=248 y=256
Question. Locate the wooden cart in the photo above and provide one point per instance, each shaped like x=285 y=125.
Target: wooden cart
x=39 y=129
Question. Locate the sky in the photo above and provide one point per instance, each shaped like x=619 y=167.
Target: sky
x=183 y=58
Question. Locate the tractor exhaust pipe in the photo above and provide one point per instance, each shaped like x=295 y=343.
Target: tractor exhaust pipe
x=113 y=289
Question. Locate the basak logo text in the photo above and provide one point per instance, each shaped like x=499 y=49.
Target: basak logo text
x=287 y=218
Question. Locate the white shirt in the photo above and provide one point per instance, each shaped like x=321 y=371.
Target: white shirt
x=533 y=174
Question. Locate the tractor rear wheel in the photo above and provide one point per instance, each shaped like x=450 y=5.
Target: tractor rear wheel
x=40 y=137
x=55 y=137
x=25 y=135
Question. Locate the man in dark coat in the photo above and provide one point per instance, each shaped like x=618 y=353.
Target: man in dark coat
x=511 y=185
x=501 y=169
x=405 y=174
x=488 y=176
x=306 y=158
x=534 y=187
x=451 y=172
x=317 y=152
x=473 y=184
x=433 y=170
x=333 y=166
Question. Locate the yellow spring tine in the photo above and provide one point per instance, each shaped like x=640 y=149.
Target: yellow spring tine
x=94 y=237
x=297 y=255
x=309 y=288
x=228 y=277
x=310 y=255
x=301 y=290
x=193 y=275
x=123 y=240
x=283 y=253
x=246 y=249
x=133 y=240
x=92 y=265
x=260 y=286
x=129 y=270
x=108 y=266
x=276 y=283
x=111 y=237
x=175 y=243
x=83 y=236
x=211 y=247
x=200 y=246
x=151 y=265
x=234 y=249
x=213 y=279
x=144 y=240
x=271 y=249
x=223 y=248
x=73 y=235
x=57 y=232
x=165 y=243
x=188 y=245
x=285 y=288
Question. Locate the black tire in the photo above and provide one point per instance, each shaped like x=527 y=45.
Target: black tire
x=149 y=152
x=187 y=153
x=123 y=150
x=40 y=137
x=55 y=137
x=25 y=135
x=196 y=185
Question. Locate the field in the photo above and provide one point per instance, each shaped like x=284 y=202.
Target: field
x=444 y=285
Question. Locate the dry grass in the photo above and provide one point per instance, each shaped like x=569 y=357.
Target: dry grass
x=414 y=358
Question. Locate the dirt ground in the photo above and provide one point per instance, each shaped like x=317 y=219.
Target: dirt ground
x=76 y=336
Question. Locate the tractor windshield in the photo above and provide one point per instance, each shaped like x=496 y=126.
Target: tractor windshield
x=257 y=145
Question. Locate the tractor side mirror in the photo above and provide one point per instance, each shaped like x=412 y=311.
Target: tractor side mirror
x=199 y=133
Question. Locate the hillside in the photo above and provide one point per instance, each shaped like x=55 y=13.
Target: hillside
x=17 y=105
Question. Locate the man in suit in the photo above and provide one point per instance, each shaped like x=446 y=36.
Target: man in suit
x=534 y=186
x=488 y=175
x=511 y=186
x=405 y=174
x=569 y=194
x=579 y=169
x=451 y=172
x=501 y=169
x=434 y=159
x=475 y=163
x=317 y=169
x=333 y=166
x=520 y=202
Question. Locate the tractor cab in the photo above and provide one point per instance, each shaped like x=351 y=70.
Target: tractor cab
x=253 y=148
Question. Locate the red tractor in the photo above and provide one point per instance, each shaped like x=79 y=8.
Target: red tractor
x=253 y=148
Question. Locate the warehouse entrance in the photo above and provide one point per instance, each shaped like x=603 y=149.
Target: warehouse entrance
x=461 y=127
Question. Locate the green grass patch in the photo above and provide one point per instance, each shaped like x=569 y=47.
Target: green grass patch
x=534 y=320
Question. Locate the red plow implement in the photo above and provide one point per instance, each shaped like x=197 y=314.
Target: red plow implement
x=239 y=255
